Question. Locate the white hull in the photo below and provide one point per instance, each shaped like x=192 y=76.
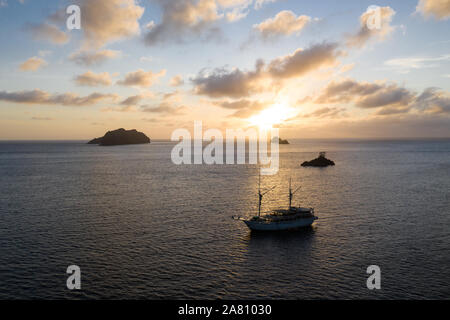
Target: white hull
x=281 y=225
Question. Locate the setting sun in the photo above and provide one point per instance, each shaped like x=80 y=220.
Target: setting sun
x=272 y=116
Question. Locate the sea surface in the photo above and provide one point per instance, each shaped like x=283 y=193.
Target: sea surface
x=140 y=227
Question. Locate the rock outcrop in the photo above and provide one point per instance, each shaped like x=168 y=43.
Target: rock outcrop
x=95 y=141
x=280 y=141
x=121 y=137
x=321 y=162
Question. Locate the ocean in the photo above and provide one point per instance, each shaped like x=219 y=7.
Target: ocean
x=140 y=227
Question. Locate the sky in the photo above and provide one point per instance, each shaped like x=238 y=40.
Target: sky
x=313 y=69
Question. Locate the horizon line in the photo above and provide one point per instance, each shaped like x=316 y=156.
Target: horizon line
x=168 y=139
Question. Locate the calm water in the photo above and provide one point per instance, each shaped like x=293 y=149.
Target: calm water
x=141 y=227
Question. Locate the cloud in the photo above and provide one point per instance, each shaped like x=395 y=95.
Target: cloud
x=91 y=79
x=260 y=3
x=325 y=113
x=42 y=118
x=346 y=90
x=225 y=83
x=151 y=120
x=171 y=96
x=237 y=83
x=284 y=23
x=243 y=108
x=240 y=8
x=372 y=27
x=404 y=65
x=177 y=81
x=392 y=110
x=184 y=18
x=164 y=108
x=389 y=99
x=44 y=53
x=32 y=64
x=41 y=97
x=140 y=78
x=104 y=21
x=237 y=14
x=132 y=100
x=168 y=105
x=234 y=3
x=301 y=62
x=365 y=95
x=439 y=9
x=433 y=100
x=47 y=32
x=347 y=68
x=146 y=59
x=120 y=109
x=93 y=58
x=387 y=96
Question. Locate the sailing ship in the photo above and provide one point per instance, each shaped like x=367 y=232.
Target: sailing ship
x=280 y=219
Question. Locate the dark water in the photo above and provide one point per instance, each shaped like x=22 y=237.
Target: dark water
x=140 y=227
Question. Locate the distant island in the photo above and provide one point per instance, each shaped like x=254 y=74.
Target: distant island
x=121 y=137
x=321 y=162
x=280 y=141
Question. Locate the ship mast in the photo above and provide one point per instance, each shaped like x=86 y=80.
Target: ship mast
x=290 y=194
x=260 y=195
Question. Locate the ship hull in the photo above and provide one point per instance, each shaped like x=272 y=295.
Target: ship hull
x=281 y=225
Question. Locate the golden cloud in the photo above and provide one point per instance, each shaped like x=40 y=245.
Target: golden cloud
x=42 y=97
x=141 y=78
x=32 y=64
x=87 y=58
x=375 y=31
x=91 y=79
x=284 y=23
x=48 y=32
x=104 y=21
x=439 y=9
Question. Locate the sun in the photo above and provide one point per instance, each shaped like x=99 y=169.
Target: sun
x=271 y=116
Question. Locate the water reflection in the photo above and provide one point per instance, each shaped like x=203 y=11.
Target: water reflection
x=253 y=238
x=286 y=246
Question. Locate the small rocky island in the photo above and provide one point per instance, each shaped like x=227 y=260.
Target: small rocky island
x=280 y=141
x=121 y=137
x=320 y=162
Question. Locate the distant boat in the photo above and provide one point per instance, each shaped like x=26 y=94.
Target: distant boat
x=281 y=219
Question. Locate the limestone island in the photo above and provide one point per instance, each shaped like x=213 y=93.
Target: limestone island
x=280 y=141
x=320 y=162
x=121 y=137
